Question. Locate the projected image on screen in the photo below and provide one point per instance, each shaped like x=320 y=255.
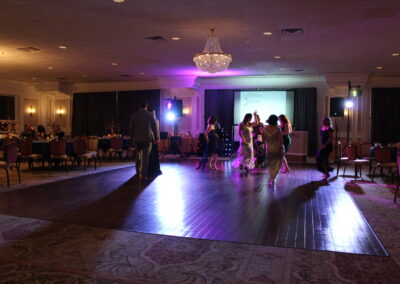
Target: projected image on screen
x=264 y=102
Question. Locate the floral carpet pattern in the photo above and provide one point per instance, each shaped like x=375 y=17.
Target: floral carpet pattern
x=37 y=251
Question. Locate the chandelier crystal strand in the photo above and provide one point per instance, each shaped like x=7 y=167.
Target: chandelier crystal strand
x=212 y=59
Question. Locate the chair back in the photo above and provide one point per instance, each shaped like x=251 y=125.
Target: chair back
x=398 y=161
x=186 y=144
x=25 y=147
x=383 y=154
x=93 y=144
x=195 y=144
x=11 y=153
x=116 y=143
x=9 y=140
x=79 y=146
x=339 y=153
x=365 y=150
x=163 y=145
x=58 y=147
x=350 y=152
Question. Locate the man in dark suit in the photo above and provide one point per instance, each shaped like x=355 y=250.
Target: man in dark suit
x=143 y=131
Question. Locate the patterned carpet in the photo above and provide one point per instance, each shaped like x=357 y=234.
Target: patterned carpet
x=35 y=251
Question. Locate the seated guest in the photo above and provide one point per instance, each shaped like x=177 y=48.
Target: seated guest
x=57 y=131
x=28 y=132
x=41 y=131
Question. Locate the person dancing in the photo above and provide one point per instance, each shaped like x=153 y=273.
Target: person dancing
x=211 y=142
x=259 y=147
x=211 y=137
x=326 y=148
x=286 y=128
x=246 y=150
x=272 y=135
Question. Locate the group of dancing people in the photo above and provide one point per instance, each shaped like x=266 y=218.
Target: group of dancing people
x=265 y=145
x=262 y=145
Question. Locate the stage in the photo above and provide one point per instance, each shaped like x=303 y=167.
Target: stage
x=300 y=211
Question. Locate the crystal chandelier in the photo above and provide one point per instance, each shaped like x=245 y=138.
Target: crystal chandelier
x=212 y=59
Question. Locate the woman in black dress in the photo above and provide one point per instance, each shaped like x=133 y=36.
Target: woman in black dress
x=326 y=147
x=286 y=128
x=211 y=149
x=211 y=137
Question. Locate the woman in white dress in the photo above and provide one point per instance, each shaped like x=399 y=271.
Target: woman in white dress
x=272 y=136
x=246 y=151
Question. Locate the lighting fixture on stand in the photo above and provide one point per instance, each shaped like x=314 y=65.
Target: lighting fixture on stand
x=354 y=91
x=212 y=59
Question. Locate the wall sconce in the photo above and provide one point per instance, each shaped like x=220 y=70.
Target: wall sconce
x=186 y=110
x=60 y=111
x=31 y=110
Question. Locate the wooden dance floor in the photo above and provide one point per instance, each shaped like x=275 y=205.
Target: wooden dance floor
x=299 y=212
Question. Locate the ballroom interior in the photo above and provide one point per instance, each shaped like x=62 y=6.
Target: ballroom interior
x=85 y=67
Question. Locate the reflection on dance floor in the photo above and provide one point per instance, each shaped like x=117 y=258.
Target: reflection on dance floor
x=298 y=212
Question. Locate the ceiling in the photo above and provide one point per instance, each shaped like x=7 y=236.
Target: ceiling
x=339 y=36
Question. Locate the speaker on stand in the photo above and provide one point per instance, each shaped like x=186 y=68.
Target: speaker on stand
x=336 y=107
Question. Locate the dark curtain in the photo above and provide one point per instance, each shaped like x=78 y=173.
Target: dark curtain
x=7 y=107
x=305 y=115
x=129 y=102
x=93 y=113
x=385 y=115
x=219 y=103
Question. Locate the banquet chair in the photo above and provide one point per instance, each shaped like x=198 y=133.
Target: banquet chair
x=186 y=146
x=350 y=158
x=81 y=154
x=9 y=140
x=26 y=154
x=398 y=174
x=163 y=147
x=10 y=162
x=58 y=153
x=116 y=147
x=93 y=147
x=195 y=145
x=341 y=159
x=365 y=153
x=383 y=160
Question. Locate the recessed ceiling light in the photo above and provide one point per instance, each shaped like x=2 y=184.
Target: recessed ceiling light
x=395 y=54
x=50 y=68
x=267 y=33
x=141 y=73
x=379 y=67
x=119 y=1
x=175 y=38
x=34 y=78
x=277 y=57
x=114 y=64
x=62 y=47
